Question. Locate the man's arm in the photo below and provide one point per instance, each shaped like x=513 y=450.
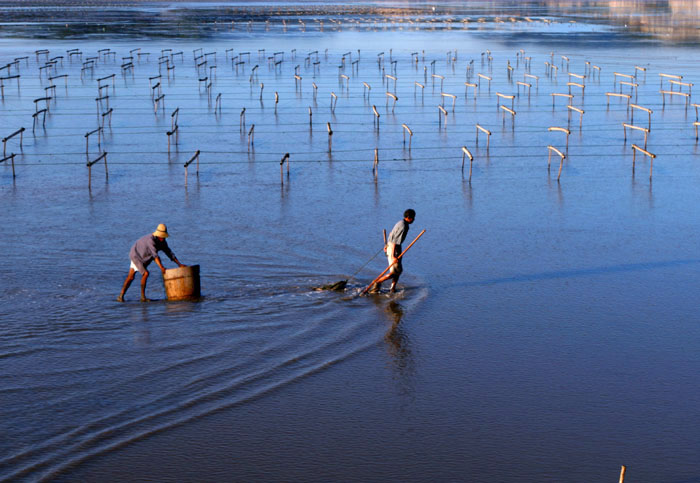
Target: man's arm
x=166 y=249
x=158 y=262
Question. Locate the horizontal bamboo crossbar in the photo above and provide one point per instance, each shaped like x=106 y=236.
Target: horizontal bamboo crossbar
x=638 y=128
x=626 y=76
x=552 y=148
x=580 y=111
x=18 y=131
x=643 y=151
x=671 y=76
x=195 y=156
x=505 y=96
x=483 y=129
x=507 y=109
x=100 y=158
x=466 y=152
x=635 y=106
x=675 y=93
x=615 y=94
x=560 y=129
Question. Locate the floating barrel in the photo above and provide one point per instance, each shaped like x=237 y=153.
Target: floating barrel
x=182 y=283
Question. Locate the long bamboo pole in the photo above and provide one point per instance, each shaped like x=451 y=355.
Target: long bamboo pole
x=366 y=289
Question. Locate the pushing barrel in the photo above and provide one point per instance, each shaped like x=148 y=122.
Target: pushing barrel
x=182 y=283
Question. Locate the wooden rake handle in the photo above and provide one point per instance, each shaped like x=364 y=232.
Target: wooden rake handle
x=366 y=289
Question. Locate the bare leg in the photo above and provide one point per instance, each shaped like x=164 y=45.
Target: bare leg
x=378 y=284
x=394 y=281
x=127 y=283
x=144 y=279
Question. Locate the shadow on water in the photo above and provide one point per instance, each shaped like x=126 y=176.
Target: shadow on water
x=575 y=273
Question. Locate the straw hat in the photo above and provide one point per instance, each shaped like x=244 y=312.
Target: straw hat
x=161 y=231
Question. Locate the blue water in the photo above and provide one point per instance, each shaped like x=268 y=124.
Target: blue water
x=544 y=330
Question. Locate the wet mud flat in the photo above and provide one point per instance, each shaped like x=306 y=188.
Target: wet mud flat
x=545 y=319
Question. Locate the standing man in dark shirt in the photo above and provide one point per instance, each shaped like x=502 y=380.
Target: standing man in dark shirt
x=393 y=250
x=144 y=251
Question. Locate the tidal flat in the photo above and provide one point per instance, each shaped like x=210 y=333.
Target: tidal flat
x=546 y=323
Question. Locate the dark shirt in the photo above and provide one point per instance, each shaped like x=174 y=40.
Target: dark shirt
x=146 y=249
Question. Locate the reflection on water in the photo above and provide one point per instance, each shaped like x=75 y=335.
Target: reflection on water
x=665 y=20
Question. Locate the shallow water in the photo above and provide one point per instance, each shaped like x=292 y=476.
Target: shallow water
x=544 y=331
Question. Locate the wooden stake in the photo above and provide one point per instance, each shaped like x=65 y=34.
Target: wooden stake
x=564 y=130
x=330 y=136
x=558 y=94
x=410 y=135
x=11 y=157
x=561 y=159
x=444 y=112
x=376 y=115
x=89 y=166
x=500 y=96
x=485 y=131
x=651 y=156
x=485 y=77
x=638 y=128
x=196 y=156
x=20 y=131
x=284 y=158
x=388 y=95
x=466 y=153
x=375 y=166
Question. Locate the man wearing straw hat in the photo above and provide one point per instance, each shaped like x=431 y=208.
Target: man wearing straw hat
x=144 y=251
x=393 y=250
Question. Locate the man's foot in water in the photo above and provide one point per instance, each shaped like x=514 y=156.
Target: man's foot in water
x=145 y=299
x=120 y=298
x=376 y=288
